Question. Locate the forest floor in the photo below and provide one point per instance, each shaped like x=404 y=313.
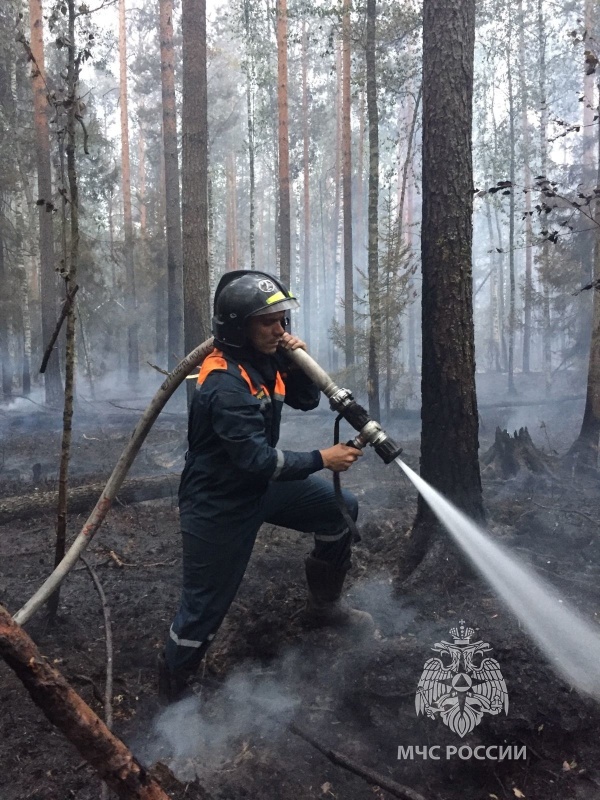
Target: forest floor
x=266 y=670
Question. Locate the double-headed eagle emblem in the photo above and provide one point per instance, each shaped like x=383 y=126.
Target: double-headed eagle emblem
x=464 y=689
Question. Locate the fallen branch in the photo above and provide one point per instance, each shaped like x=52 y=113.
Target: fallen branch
x=108 y=755
x=108 y=683
x=82 y=498
x=114 y=482
x=375 y=778
x=63 y=315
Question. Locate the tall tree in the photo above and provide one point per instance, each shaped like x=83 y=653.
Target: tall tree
x=250 y=78
x=172 y=195
x=528 y=288
x=306 y=296
x=194 y=128
x=449 y=437
x=48 y=285
x=347 y=185
x=133 y=358
x=373 y=246
x=285 y=245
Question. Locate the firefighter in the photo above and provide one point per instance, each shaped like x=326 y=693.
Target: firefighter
x=235 y=477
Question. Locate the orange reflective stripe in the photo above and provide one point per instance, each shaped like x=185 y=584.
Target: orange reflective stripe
x=279 y=391
x=212 y=361
x=247 y=378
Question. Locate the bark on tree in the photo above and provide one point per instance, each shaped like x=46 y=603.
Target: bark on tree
x=306 y=295
x=347 y=186
x=196 y=279
x=64 y=708
x=373 y=245
x=583 y=453
x=70 y=283
x=7 y=374
x=250 y=127
x=172 y=195
x=449 y=438
x=545 y=246
x=512 y=318
x=133 y=358
x=48 y=282
x=528 y=288
x=285 y=245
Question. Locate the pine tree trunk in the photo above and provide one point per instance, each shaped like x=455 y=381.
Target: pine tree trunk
x=133 y=358
x=583 y=454
x=285 y=245
x=250 y=128
x=347 y=185
x=373 y=246
x=196 y=281
x=306 y=294
x=48 y=284
x=449 y=438
x=172 y=195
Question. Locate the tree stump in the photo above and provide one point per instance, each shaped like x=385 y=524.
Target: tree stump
x=509 y=454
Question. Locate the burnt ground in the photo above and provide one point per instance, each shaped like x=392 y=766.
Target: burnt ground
x=266 y=668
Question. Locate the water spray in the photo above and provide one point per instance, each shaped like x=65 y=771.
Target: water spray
x=341 y=400
x=565 y=637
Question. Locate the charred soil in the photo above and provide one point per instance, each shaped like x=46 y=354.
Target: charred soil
x=267 y=670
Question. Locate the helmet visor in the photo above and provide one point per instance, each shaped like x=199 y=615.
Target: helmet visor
x=285 y=304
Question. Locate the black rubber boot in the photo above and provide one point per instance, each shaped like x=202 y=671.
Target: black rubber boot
x=172 y=686
x=325 y=606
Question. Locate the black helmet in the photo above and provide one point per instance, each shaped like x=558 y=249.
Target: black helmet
x=246 y=293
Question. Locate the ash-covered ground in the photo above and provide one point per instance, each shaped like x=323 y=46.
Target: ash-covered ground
x=267 y=672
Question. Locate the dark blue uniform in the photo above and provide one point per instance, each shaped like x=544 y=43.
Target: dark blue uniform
x=235 y=478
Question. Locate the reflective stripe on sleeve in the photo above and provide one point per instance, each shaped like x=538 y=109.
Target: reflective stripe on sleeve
x=278 y=465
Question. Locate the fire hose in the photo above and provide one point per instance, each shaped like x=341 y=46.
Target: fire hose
x=341 y=400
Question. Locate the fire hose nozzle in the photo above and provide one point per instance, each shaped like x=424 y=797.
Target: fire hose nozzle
x=372 y=433
x=342 y=401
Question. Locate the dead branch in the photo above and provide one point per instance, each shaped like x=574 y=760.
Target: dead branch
x=108 y=685
x=116 y=479
x=375 y=778
x=108 y=755
x=82 y=498
x=63 y=314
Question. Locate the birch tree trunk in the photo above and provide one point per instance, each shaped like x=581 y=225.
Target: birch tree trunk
x=48 y=282
x=175 y=345
x=545 y=253
x=528 y=289
x=70 y=282
x=512 y=318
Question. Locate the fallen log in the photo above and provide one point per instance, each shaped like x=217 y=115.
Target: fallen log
x=106 y=753
x=83 y=498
